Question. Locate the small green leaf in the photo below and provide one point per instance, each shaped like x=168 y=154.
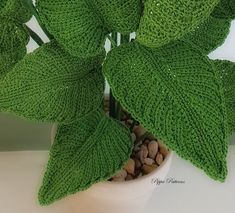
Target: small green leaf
x=51 y=85
x=175 y=93
x=209 y=35
x=15 y=10
x=225 y=9
x=165 y=21
x=85 y=152
x=226 y=71
x=82 y=26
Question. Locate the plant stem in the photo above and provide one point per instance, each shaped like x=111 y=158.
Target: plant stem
x=34 y=36
x=31 y=7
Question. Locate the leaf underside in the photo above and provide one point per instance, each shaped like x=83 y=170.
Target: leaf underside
x=175 y=93
x=85 y=152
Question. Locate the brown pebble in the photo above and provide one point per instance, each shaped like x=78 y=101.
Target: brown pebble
x=137 y=163
x=130 y=166
x=129 y=177
x=148 y=169
x=149 y=161
x=133 y=136
x=139 y=131
x=120 y=174
x=159 y=159
x=153 y=149
x=146 y=142
x=163 y=150
x=143 y=153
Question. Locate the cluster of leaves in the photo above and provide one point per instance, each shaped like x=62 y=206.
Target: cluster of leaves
x=163 y=78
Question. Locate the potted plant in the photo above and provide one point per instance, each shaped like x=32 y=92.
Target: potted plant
x=164 y=89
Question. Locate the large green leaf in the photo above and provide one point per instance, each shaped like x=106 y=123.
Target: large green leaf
x=164 y=21
x=175 y=93
x=226 y=71
x=210 y=34
x=85 y=152
x=50 y=85
x=82 y=26
x=15 y=10
x=225 y=9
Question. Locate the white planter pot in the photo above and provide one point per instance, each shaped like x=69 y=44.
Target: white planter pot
x=118 y=197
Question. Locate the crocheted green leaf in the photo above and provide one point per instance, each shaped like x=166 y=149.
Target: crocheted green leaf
x=12 y=36
x=210 y=34
x=173 y=92
x=82 y=26
x=227 y=73
x=85 y=152
x=15 y=10
x=164 y=21
x=50 y=85
x=13 y=41
x=225 y=9
x=8 y=59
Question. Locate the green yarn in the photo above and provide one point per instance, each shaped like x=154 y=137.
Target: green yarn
x=85 y=152
x=50 y=85
x=225 y=9
x=82 y=26
x=175 y=93
x=210 y=34
x=15 y=9
x=226 y=71
x=167 y=20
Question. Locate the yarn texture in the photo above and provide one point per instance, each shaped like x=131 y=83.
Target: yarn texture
x=51 y=86
x=175 y=93
x=13 y=36
x=162 y=78
x=226 y=71
x=82 y=26
x=85 y=152
x=167 y=20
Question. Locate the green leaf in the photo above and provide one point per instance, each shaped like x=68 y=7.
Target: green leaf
x=165 y=21
x=82 y=26
x=13 y=36
x=13 y=41
x=15 y=10
x=226 y=71
x=176 y=94
x=51 y=85
x=225 y=9
x=210 y=34
x=8 y=59
x=85 y=152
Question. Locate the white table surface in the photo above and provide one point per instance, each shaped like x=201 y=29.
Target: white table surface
x=21 y=173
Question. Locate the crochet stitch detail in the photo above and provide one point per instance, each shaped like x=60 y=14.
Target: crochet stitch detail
x=225 y=9
x=82 y=26
x=15 y=9
x=175 y=93
x=167 y=20
x=210 y=34
x=226 y=71
x=85 y=152
x=51 y=86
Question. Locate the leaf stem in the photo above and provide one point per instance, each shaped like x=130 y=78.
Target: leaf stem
x=34 y=12
x=34 y=36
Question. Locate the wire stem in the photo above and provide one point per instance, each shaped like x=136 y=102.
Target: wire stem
x=34 y=36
